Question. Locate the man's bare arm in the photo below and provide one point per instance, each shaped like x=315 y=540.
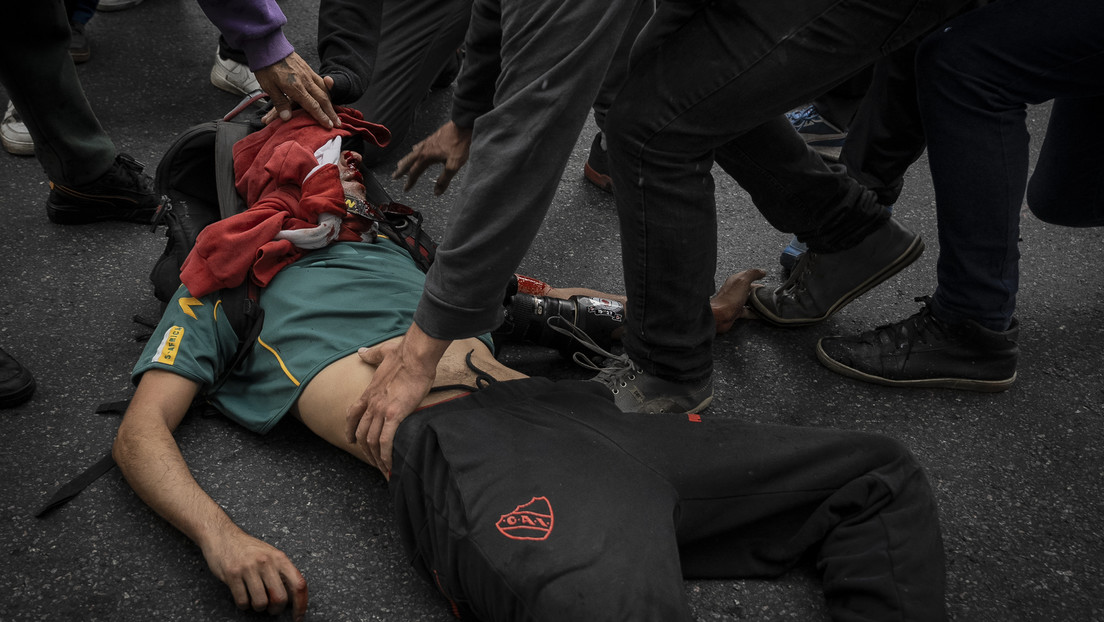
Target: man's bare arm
x=259 y=575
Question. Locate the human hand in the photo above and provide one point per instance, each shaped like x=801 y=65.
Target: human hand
x=292 y=80
x=729 y=303
x=404 y=375
x=449 y=145
x=259 y=575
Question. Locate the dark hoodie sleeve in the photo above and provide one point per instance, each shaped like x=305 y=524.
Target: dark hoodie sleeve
x=475 y=87
x=348 y=43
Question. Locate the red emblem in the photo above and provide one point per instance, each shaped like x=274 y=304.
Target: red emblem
x=532 y=521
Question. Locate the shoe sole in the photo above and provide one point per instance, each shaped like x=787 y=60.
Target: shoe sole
x=602 y=181
x=17 y=147
x=69 y=214
x=962 y=384
x=20 y=396
x=911 y=254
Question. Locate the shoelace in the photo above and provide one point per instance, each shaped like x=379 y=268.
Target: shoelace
x=618 y=368
x=918 y=327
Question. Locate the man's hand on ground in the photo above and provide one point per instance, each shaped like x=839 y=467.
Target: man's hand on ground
x=292 y=80
x=259 y=575
x=404 y=375
x=449 y=145
x=729 y=303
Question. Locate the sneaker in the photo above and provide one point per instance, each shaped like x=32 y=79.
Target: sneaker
x=233 y=77
x=124 y=192
x=14 y=134
x=825 y=138
x=790 y=256
x=636 y=391
x=117 y=5
x=924 y=351
x=16 y=383
x=596 y=169
x=823 y=283
x=79 y=47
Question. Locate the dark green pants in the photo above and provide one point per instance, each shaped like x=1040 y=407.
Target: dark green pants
x=41 y=80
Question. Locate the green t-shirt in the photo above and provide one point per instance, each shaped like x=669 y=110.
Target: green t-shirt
x=317 y=310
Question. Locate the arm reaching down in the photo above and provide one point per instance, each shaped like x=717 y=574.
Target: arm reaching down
x=260 y=576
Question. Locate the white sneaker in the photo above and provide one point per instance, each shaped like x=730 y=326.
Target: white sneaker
x=233 y=77
x=13 y=133
x=117 y=5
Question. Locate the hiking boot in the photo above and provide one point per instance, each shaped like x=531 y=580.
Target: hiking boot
x=233 y=77
x=636 y=391
x=16 y=383
x=124 y=192
x=819 y=133
x=79 y=48
x=823 y=283
x=790 y=256
x=14 y=134
x=924 y=351
x=596 y=169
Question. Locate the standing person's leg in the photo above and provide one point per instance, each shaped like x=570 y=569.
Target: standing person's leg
x=975 y=78
x=417 y=40
x=88 y=180
x=39 y=75
x=713 y=76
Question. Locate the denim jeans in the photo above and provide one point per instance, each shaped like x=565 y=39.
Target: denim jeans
x=975 y=78
x=711 y=82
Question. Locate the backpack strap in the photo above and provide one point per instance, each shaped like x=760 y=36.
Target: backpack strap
x=226 y=134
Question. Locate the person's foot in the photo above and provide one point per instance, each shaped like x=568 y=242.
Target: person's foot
x=14 y=134
x=823 y=283
x=233 y=77
x=635 y=390
x=825 y=138
x=117 y=5
x=124 y=192
x=16 y=383
x=924 y=351
x=79 y=47
x=596 y=169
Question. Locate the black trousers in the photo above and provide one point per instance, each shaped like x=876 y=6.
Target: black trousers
x=539 y=500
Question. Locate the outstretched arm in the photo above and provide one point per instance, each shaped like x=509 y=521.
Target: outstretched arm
x=259 y=575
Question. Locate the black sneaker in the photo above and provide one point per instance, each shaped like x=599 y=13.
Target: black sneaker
x=823 y=283
x=924 y=351
x=819 y=133
x=124 y=192
x=596 y=169
x=16 y=383
x=79 y=48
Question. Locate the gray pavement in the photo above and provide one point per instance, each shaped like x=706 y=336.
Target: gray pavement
x=1018 y=475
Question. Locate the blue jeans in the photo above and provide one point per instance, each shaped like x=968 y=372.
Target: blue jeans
x=711 y=83
x=975 y=78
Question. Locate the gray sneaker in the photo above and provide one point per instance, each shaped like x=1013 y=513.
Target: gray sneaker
x=823 y=283
x=635 y=390
x=14 y=134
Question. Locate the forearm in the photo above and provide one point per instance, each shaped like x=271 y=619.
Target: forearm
x=151 y=462
x=253 y=26
x=348 y=43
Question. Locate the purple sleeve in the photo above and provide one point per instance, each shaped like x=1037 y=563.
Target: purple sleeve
x=252 y=26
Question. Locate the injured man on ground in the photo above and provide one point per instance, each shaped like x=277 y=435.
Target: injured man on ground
x=496 y=478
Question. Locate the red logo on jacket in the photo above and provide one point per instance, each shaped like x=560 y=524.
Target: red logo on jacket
x=531 y=521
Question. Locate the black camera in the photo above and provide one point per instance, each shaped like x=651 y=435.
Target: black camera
x=527 y=318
